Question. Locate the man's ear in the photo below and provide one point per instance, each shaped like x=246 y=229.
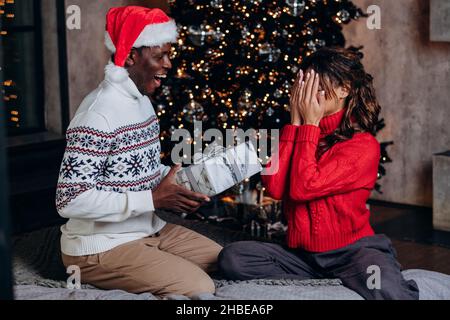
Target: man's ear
x=132 y=58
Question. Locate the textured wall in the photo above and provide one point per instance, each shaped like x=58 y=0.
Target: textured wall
x=86 y=53
x=413 y=83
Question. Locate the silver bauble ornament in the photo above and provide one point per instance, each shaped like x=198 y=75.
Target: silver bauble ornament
x=296 y=7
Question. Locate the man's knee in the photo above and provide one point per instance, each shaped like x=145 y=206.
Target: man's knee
x=199 y=285
x=192 y=283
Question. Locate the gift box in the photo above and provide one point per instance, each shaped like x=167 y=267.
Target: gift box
x=219 y=168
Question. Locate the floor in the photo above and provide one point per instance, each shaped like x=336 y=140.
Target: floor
x=411 y=230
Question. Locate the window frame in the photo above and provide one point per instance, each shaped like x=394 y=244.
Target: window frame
x=37 y=31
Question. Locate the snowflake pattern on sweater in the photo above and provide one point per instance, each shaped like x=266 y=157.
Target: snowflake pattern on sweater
x=126 y=159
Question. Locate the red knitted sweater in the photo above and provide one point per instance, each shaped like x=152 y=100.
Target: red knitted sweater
x=324 y=199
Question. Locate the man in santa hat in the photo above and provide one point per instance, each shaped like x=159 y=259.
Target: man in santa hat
x=111 y=179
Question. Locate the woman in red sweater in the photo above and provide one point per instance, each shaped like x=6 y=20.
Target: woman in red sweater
x=327 y=167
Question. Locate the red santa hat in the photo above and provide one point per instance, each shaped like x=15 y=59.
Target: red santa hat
x=134 y=27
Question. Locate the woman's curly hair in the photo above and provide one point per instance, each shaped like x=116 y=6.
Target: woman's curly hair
x=340 y=67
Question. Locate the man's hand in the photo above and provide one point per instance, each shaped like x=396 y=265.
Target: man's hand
x=171 y=196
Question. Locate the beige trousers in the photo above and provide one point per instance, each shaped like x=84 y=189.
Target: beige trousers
x=175 y=261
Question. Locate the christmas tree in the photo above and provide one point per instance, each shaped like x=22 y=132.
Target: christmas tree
x=236 y=61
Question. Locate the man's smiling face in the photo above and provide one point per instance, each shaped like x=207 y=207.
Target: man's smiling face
x=148 y=66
